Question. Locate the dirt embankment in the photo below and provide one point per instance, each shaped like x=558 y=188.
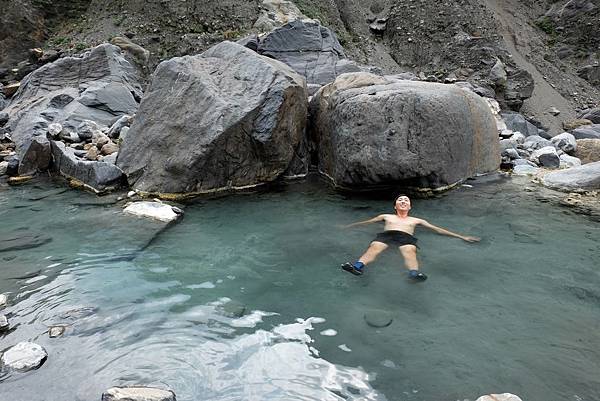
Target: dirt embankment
x=443 y=41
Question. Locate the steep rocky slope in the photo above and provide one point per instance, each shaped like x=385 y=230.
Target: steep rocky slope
x=551 y=43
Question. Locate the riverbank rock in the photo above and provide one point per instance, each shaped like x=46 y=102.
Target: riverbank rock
x=100 y=86
x=154 y=210
x=583 y=178
x=375 y=131
x=137 y=393
x=24 y=356
x=592 y=115
x=3 y=300
x=226 y=119
x=588 y=150
x=97 y=176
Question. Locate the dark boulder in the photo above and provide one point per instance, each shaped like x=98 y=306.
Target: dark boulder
x=310 y=49
x=100 y=86
x=375 y=131
x=224 y=119
x=591 y=114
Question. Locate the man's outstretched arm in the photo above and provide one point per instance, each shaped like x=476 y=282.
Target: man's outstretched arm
x=359 y=223
x=443 y=231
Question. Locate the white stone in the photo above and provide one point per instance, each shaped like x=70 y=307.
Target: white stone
x=137 y=394
x=567 y=161
x=518 y=137
x=565 y=142
x=3 y=323
x=3 y=300
x=54 y=129
x=131 y=194
x=155 y=210
x=499 y=397
x=24 y=356
x=525 y=170
x=56 y=331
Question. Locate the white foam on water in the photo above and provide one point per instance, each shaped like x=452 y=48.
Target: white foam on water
x=54 y=265
x=344 y=347
x=329 y=333
x=205 y=285
x=36 y=278
x=252 y=319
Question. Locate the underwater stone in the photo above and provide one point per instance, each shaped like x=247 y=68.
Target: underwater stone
x=378 y=318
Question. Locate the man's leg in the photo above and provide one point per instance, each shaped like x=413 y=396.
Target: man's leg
x=370 y=255
x=409 y=253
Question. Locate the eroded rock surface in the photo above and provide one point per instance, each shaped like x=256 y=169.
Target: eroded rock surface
x=228 y=118
x=100 y=86
x=375 y=131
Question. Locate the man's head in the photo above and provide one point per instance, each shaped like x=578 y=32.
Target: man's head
x=402 y=203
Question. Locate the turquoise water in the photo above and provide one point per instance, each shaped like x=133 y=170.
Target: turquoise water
x=244 y=299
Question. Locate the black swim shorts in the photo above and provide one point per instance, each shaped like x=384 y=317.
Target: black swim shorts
x=396 y=238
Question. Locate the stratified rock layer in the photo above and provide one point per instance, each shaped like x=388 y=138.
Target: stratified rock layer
x=375 y=131
x=100 y=86
x=225 y=119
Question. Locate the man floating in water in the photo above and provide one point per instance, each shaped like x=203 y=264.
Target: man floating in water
x=398 y=231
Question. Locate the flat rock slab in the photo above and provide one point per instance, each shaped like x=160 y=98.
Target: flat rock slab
x=499 y=397
x=582 y=178
x=378 y=318
x=24 y=356
x=154 y=210
x=21 y=239
x=137 y=394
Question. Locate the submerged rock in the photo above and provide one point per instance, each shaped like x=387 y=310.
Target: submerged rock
x=21 y=239
x=378 y=318
x=239 y=124
x=138 y=393
x=154 y=210
x=24 y=356
x=56 y=331
x=375 y=131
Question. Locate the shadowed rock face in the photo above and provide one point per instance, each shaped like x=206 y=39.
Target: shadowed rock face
x=227 y=118
x=100 y=86
x=376 y=131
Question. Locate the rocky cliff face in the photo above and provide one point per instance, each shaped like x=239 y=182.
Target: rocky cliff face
x=504 y=46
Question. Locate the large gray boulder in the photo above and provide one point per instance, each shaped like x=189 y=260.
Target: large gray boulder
x=225 y=119
x=97 y=176
x=375 y=131
x=587 y=131
x=310 y=49
x=583 y=178
x=100 y=86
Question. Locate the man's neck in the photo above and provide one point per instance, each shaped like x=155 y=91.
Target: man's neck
x=402 y=213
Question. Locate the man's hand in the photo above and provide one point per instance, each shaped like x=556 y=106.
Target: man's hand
x=471 y=239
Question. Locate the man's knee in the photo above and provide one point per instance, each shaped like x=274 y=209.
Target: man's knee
x=408 y=250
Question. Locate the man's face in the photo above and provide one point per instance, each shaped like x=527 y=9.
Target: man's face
x=402 y=203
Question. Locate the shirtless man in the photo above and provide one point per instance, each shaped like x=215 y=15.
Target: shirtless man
x=398 y=231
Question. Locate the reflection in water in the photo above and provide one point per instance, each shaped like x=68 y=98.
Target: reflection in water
x=211 y=307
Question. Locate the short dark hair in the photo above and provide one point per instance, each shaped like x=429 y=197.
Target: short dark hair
x=399 y=196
